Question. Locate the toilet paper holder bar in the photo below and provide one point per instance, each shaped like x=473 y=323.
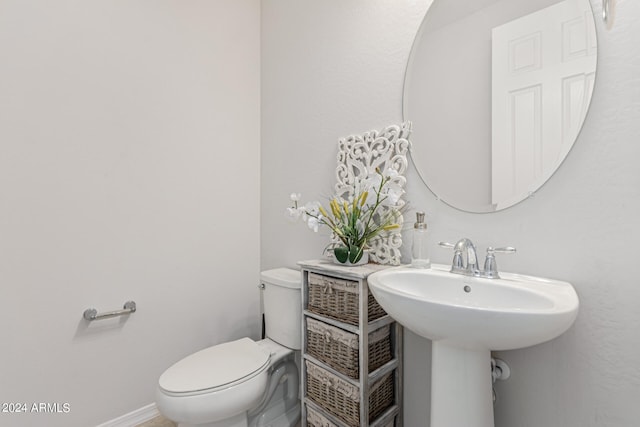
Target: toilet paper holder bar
x=92 y=313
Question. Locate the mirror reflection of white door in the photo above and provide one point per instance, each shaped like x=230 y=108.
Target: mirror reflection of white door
x=538 y=70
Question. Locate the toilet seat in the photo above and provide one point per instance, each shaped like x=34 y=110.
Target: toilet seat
x=215 y=368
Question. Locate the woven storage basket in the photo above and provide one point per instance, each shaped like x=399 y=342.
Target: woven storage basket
x=340 y=349
x=316 y=419
x=342 y=399
x=338 y=299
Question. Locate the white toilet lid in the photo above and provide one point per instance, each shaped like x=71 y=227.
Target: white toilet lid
x=215 y=367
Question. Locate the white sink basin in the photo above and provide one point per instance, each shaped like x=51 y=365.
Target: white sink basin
x=466 y=318
x=496 y=314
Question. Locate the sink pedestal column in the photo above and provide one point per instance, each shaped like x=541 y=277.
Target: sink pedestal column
x=461 y=387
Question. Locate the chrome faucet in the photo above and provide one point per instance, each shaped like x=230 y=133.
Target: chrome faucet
x=465 y=259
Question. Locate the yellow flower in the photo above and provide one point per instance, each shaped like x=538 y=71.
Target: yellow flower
x=363 y=198
x=391 y=227
x=335 y=208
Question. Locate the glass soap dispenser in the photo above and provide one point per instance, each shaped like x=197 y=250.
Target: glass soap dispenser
x=419 y=249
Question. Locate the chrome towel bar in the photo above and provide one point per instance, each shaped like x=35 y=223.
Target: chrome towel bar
x=92 y=313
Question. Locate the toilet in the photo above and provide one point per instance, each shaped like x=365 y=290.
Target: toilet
x=243 y=383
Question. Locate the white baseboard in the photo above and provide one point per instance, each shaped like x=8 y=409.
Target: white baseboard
x=134 y=418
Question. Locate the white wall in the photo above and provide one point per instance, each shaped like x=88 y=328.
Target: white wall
x=333 y=68
x=129 y=169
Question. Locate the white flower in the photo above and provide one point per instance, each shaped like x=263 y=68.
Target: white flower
x=392 y=196
x=370 y=201
x=293 y=213
x=372 y=182
x=295 y=197
x=390 y=173
x=392 y=190
x=313 y=223
x=311 y=208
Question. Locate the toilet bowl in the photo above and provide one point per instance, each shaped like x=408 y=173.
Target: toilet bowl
x=242 y=383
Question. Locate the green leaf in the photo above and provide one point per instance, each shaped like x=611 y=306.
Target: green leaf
x=355 y=254
x=341 y=253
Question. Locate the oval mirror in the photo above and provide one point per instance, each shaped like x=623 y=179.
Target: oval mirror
x=497 y=91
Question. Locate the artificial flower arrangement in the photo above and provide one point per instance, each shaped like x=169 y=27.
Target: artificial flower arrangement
x=359 y=218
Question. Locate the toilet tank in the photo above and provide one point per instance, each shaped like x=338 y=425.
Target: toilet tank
x=282 y=306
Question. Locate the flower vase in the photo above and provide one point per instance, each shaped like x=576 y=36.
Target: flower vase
x=362 y=261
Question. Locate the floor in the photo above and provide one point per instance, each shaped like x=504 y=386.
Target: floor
x=161 y=421
x=158 y=421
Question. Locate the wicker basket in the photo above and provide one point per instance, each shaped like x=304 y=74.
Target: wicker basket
x=338 y=299
x=316 y=419
x=340 y=349
x=342 y=399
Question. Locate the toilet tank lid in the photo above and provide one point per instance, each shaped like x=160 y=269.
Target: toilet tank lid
x=215 y=366
x=286 y=277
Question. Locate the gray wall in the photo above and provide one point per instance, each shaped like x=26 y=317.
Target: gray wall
x=333 y=68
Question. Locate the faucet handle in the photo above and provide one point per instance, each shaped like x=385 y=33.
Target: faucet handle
x=505 y=250
x=490 y=266
x=457 y=263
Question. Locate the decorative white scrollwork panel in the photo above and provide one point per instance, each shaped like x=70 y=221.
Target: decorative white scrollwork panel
x=359 y=157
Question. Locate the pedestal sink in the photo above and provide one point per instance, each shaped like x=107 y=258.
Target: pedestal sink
x=467 y=317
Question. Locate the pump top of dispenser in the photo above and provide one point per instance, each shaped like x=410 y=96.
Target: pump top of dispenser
x=420 y=224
